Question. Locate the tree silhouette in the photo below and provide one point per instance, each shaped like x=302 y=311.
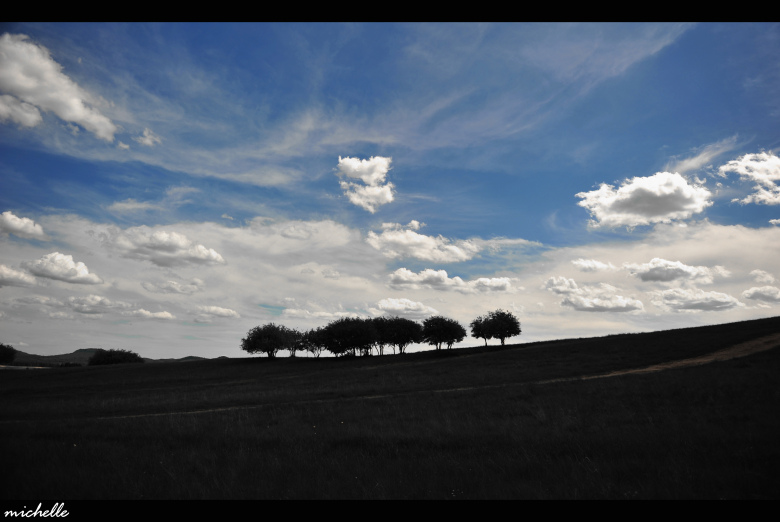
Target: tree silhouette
x=401 y=332
x=7 y=354
x=348 y=335
x=269 y=339
x=438 y=330
x=114 y=357
x=501 y=324
x=479 y=329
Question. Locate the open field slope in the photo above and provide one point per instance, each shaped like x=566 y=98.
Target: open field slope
x=488 y=422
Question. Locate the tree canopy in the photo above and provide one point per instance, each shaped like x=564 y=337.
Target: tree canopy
x=7 y=354
x=438 y=330
x=500 y=324
x=269 y=339
x=101 y=357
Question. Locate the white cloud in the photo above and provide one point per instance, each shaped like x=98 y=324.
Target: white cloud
x=62 y=268
x=149 y=138
x=146 y=314
x=207 y=313
x=11 y=277
x=21 y=226
x=404 y=278
x=28 y=73
x=694 y=300
x=372 y=172
x=659 y=198
x=131 y=205
x=761 y=276
x=599 y=298
x=775 y=222
x=762 y=168
x=19 y=112
x=160 y=247
x=174 y=287
x=704 y=157
x=662 y=270
x=592 y=265
x=770 y=294
x=398 y=242
x=95 y=304
x=405 y=307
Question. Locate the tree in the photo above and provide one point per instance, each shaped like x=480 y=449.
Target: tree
x=101 y=357
x=501 y=324
x=7 y=354
x=438 y=330
x=269 y=339
x=401 y=332
x=347 y=335
x=479 y=329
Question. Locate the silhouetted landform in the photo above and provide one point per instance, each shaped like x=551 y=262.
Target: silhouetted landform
x=77 y=358
x=574 y=418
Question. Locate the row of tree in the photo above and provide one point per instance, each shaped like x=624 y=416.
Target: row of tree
x=364 y=336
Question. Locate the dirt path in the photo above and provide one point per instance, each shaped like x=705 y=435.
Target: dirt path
x=733 y=352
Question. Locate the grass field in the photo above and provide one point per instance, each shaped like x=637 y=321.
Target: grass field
x=468 y=423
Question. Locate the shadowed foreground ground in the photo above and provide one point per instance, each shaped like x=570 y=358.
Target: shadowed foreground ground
x=460 y=424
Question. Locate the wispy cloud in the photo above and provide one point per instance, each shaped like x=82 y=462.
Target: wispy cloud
x=32 y=80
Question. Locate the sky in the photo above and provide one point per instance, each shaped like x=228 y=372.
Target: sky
x=164 y=188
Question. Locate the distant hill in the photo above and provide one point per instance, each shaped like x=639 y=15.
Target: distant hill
x=80 y=356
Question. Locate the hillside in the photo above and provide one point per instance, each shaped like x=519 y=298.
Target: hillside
x=522 y=421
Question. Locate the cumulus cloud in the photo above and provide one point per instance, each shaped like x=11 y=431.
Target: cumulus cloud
x=31 y=81
x=12 y=277
x=404 y=278
x=62 y=267
x=373 y=192
x=406 y=308
x=591 y=265
x=95 y=304
x=148 y=138
x=19 y=112
x=174 y=287
x=763 y=169
x=662 y=270
x=146 y=314
x=397 y=241
x=770 y=294
x=588 y=298
x=761 y=276
x=206 y=314
x=659 y=198
x=694 y=300
x=774 y=222
x=21 y=226
x=162 y=248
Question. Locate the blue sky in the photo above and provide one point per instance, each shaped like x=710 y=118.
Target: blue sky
x=166 y=187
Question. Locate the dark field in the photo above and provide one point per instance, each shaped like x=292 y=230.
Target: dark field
x=468 y=423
